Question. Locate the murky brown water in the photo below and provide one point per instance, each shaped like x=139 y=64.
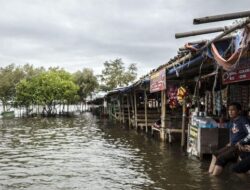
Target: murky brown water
x=89 y=153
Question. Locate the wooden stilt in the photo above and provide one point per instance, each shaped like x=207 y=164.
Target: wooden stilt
x=120 y=109
x=108 y=108
x=115 y=111
x=123 y=115
x=128 y=106
x=184 y=108
x=135 y=103
x=105 y=106
x=146 y=109
x=163 y=115
x=133 y=110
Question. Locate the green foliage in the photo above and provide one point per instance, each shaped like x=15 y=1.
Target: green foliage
x=56 y=86
x=10 y=76
x=115 y=75
x=87 y=82
x=29 y=71
x=25 y=92
x=28 y=86
x=47 y=88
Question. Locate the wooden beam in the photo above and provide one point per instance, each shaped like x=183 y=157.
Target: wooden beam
x=221 y=17
x=199 y=32
x=208 y=75
x=226 y=29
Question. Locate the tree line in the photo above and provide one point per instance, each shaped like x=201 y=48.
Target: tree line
x=26 y=85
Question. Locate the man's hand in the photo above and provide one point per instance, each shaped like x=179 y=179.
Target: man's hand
x=244 y=148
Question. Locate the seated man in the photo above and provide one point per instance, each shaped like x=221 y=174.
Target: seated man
x=239 y=134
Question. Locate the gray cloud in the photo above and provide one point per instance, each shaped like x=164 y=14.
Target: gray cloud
x=85 y=33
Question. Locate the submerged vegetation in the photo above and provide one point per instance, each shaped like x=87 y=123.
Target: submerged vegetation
x=26 y=86
x=47 y=89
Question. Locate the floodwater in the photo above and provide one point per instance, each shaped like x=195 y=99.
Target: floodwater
x=90 y=153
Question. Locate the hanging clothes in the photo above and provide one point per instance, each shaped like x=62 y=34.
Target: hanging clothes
x=240 y=43
x=172 y=96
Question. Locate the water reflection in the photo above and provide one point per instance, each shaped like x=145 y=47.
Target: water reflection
x=88 y=153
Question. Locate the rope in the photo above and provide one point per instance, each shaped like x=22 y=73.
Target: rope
x=197 y=82
x=213 y=91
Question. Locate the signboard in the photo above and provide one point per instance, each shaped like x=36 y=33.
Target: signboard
x=240 y=73
x=158 y=81
x=192 y=147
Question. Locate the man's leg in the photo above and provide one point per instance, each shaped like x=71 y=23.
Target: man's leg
x=217 y=170
x=212 y=164
x=230 y=155
x=214 y=157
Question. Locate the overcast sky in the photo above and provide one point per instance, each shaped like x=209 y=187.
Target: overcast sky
x=77 y=34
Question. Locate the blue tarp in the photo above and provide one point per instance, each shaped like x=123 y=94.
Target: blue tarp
x=222 y=46
x=126 y=89
x=146 y=80
x=185 y=65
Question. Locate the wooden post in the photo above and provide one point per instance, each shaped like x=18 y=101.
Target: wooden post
x=184 y=108
x=120 y=109
x=136 y=124
x=132 y=106
x=123 y=115
x=109 y=114
x=111 y=110
x=128 y=105
x=108 y=110
x=146 y=110
x=114 y=107
x=163 y=115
